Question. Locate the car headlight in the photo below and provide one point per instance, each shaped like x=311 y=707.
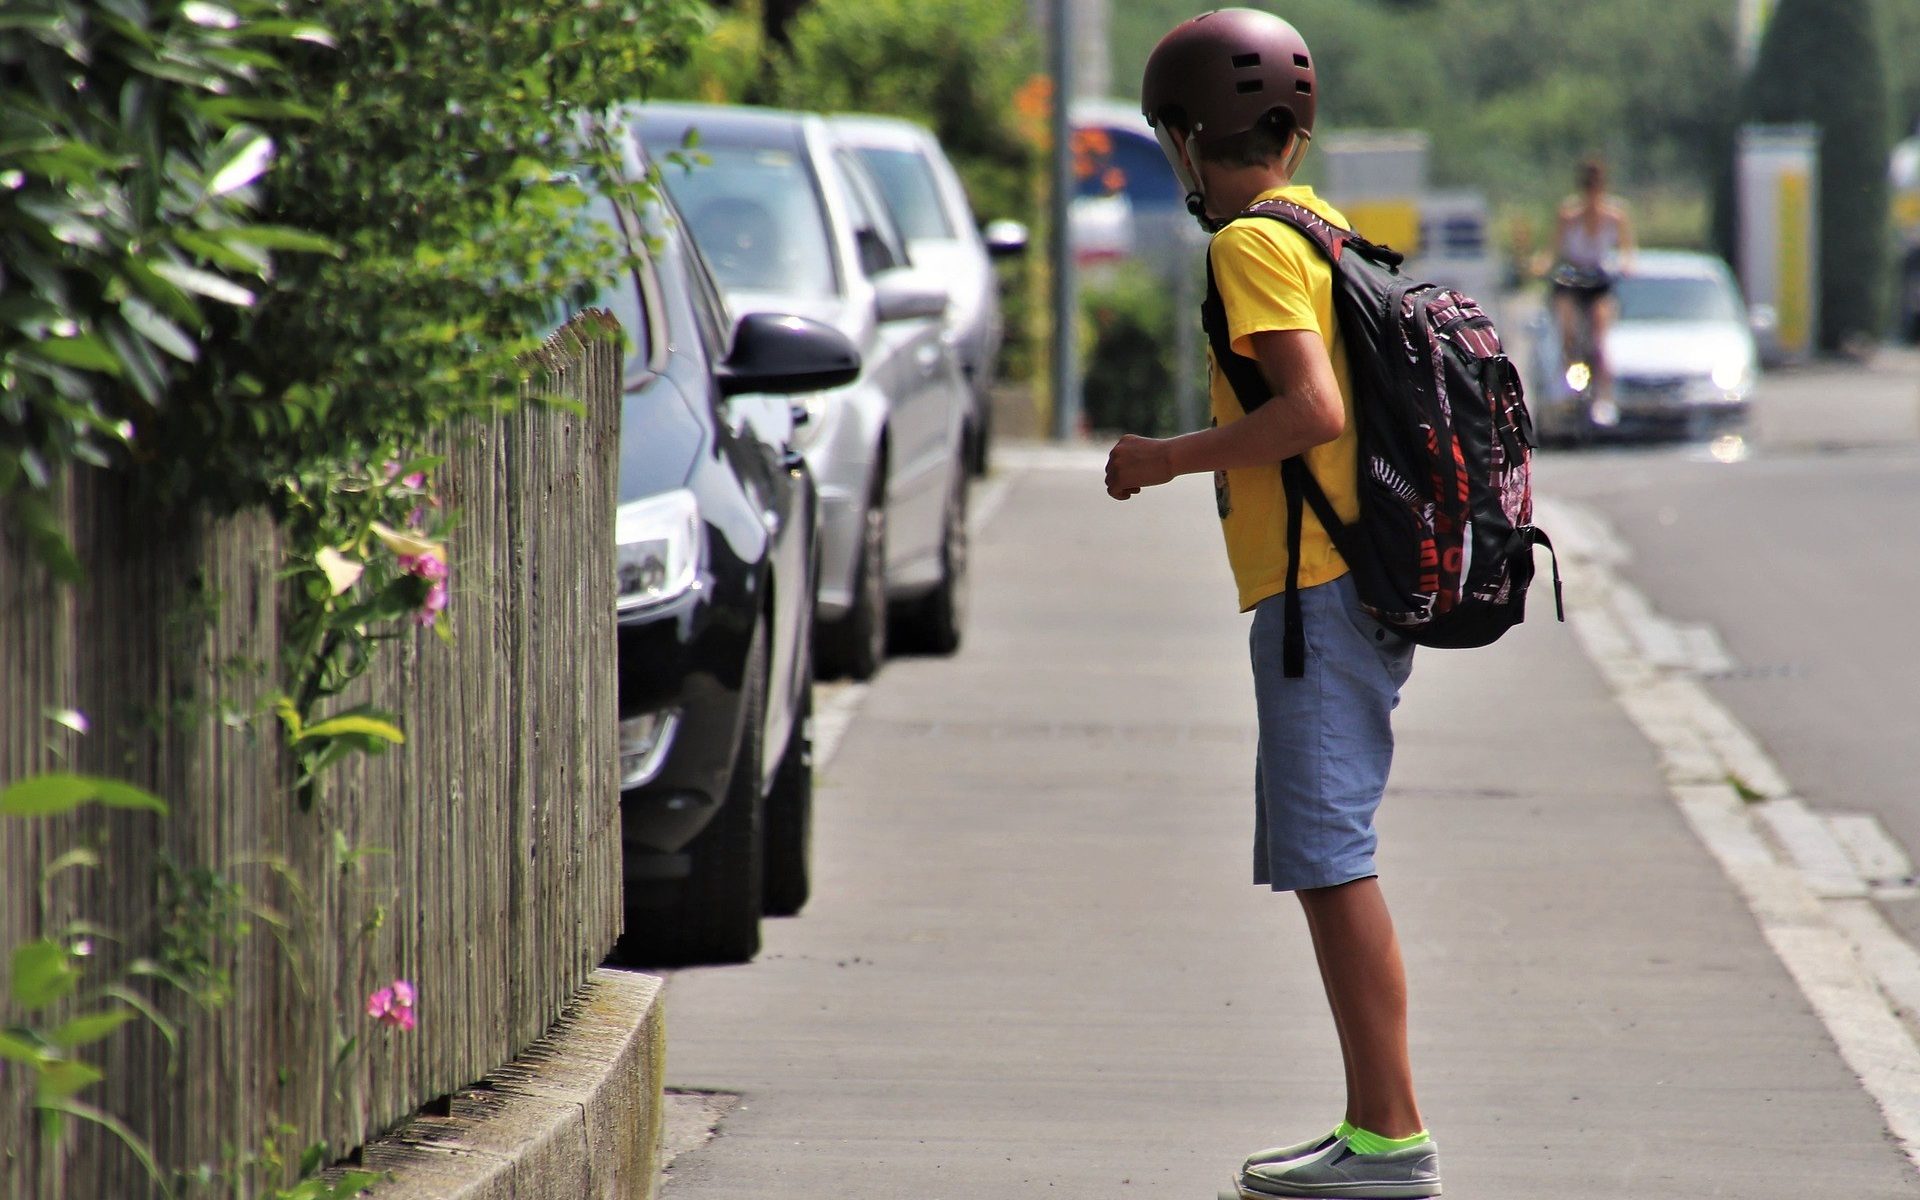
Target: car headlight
x=661 y=545
x=1732 y=375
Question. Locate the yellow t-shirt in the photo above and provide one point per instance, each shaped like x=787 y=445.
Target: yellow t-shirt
x=1272 y=278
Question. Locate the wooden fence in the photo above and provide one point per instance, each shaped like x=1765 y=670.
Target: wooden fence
x=481 y=860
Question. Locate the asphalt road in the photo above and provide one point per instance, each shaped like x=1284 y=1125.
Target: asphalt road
x=1805 y=555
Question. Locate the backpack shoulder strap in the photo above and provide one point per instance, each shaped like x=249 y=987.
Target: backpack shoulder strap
x=1242 y=373
x=1330 y=239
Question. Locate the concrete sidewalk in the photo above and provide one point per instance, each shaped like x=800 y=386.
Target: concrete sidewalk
x=1036 y=967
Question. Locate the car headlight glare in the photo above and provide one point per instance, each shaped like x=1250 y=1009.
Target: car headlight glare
x=660 y=547
x=1730 y=376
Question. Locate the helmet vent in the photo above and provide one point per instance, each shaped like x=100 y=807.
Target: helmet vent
x=1301 y=61
x=1246 y=86
x=1303 y=87
x=1244 y=61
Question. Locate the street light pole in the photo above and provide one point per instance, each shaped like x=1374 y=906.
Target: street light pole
x=1066 y=368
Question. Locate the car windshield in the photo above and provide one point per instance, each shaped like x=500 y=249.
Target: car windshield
x=906 y=181
x=757 y=219
x=1653 y=298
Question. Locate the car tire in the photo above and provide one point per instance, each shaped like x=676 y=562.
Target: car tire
x=789 y=841
x=714 y=915
x=1910 y=292
x=936 y=624
x=856 y=645
x=981 y=438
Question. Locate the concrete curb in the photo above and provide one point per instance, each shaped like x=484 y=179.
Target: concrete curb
x=577 y=1116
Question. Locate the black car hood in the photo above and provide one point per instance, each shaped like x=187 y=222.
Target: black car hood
x=660 y=440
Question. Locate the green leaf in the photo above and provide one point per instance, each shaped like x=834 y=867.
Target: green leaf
x=43 y=972
x=14 y=1048
x=312 y=1158
x=205 y=283
x=86 y=351
x=119 y=1129
x=62 y=1079
x=90 y=1027
x=147 y=321
x=343 y=726
x=62 y=791
x=145 y=1008
x=277 y=237
x=242 y=157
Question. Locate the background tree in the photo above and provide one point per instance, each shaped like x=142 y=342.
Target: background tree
x=1822 y=62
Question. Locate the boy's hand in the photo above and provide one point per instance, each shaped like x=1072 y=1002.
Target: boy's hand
x=1135 y=463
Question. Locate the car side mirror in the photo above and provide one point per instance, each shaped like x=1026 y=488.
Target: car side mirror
x=905 y=296
x=776 y=353
x=1005 y=239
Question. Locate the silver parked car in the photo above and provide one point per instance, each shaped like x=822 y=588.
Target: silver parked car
x=791 y=222
x=1681 y=351
x=929 y=205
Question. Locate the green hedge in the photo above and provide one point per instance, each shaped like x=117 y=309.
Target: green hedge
x=1822 y=62
x=132 y=139
x=1131 y=351
x=248 y=245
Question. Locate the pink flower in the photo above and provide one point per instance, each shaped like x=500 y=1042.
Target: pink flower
x=417 y=479
x=429 y=566
x=432 y=606
x=393 y=1005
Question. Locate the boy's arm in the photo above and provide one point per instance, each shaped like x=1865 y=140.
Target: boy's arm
x=1306 y=412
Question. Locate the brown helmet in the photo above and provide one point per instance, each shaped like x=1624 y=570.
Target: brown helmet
x=1228 y=71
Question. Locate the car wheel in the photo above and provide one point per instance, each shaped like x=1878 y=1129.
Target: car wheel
x=936 y=623
x=714 y=916
x=789 y=845
x=1912 y=305
x=982 y=437
x=856 y=644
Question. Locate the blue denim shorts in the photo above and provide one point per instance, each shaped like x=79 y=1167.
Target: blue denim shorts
x=1326 y=740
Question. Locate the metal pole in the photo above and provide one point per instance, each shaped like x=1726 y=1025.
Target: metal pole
x=1066 y=370
x=1186 y=305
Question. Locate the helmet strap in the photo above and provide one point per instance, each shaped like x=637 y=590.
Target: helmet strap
x=1178 y=149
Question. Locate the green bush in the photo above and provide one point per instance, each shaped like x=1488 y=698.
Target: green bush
x=1127 y=376
x=153 y=155
x=953 y=65
x=131 y=143
x=439 y=128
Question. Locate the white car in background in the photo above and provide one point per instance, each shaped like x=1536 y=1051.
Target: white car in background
x=1681 y=351
x=790 y=222
x=929 y=206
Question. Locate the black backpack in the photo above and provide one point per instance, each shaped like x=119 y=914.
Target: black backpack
x=1443 y=549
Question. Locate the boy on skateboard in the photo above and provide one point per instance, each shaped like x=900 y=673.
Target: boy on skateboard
x=1231 y=96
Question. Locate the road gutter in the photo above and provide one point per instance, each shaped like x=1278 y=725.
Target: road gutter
x=1793 y=868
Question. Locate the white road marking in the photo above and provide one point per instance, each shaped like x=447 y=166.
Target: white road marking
x=1810 y=844
x=1808 y=896
x=1875 y=855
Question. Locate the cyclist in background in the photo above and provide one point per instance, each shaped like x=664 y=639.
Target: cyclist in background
x=1592 y=239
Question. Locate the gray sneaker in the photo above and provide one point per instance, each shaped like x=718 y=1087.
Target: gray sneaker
x=1409 y=1174
x=1280 y=1154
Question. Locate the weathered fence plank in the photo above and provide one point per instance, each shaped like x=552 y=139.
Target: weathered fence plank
x=492 y=876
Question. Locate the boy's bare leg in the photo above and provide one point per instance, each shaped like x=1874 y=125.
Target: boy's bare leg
x=1366 y=984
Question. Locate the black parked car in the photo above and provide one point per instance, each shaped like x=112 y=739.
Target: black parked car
x=717 y=562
